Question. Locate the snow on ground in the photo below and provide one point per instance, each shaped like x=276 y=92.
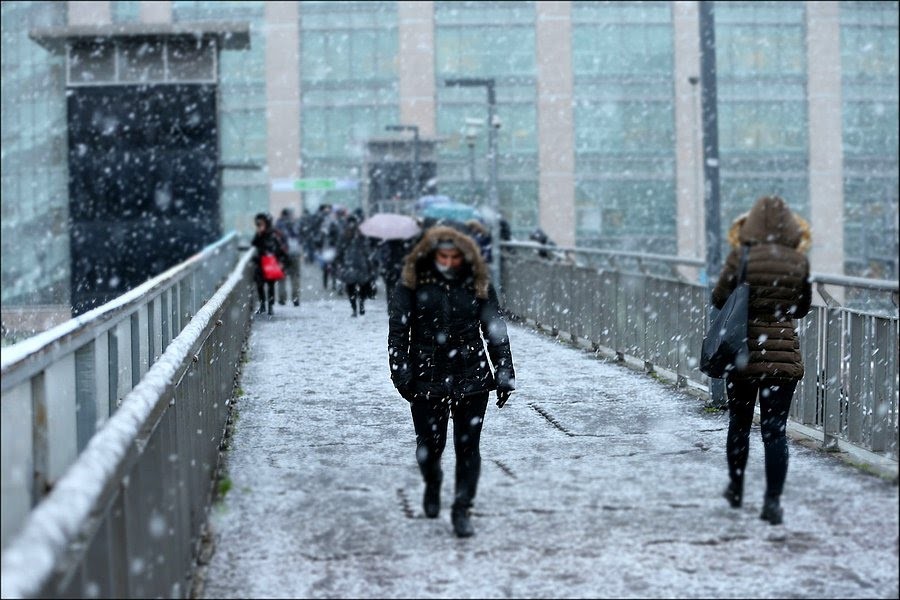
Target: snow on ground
x=597 y=481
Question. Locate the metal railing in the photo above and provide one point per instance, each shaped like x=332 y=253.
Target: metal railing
x=849 y=392
x=60 y=386
x=124 y=520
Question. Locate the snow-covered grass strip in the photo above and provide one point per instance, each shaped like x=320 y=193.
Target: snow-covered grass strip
x=31 y=557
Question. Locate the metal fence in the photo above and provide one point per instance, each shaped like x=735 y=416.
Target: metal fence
x=849 y=392
x=117 y=512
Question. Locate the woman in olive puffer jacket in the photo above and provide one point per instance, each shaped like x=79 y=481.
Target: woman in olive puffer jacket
x=780 y=291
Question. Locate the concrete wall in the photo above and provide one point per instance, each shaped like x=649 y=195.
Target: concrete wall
x=418 y=99
x=556 y=142
x=282 y=26
x=826 y=172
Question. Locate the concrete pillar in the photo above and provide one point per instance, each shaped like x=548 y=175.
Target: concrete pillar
x=156 y=11
x=418 y=100
x=556 y=140
x=826 y=157
x=90 y=12
x=282 y=39
x=688 y=142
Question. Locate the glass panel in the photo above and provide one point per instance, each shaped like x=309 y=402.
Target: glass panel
x=92 y=62
x=191 y=59
x=141 y=61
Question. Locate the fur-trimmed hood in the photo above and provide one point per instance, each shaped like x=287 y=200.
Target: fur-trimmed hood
x=771 y=221
x=421 y=257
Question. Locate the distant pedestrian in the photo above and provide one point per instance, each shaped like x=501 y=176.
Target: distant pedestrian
x=357 y=265
x=780 y=291
x=442 y=315
x=266 y=241
x=391 y=254
x=482 y=236
x=289 y=228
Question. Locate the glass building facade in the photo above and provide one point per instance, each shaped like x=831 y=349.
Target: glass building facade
x=625 y=143
x=349 y=87
x=622 y=61
x=35 y=239
x=870 y=100
x=242 y=112
x=761 y=68
x=489 y=40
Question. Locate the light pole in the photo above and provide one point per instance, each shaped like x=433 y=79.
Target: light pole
x=414 y=189
x=471 y=134
x=488 y=83
x=710 y=113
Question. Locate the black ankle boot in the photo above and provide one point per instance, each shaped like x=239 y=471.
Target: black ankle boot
x=772 y=511
x=431 y=501
x=271 y=307
x=734 y=494
x=462 y=523
x=261 y=310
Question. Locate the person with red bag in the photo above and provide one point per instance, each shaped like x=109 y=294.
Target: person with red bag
x=271 y=254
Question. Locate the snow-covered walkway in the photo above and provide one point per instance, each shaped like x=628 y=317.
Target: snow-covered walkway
x=597 y=481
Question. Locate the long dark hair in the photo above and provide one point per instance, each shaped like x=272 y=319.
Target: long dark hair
x=265 y=218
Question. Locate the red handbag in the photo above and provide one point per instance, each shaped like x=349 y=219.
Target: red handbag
x=271 y=270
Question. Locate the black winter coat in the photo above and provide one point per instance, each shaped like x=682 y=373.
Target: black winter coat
x=438 y=330
x=356 y=259
x=269 y=242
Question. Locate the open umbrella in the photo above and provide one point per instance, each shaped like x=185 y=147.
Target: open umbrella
x=426 y=201
x=389 y=226
x=454 y=211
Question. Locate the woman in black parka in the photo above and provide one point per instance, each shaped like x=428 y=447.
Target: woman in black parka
x=443 y=313
x=780 y=292
x=356 y=264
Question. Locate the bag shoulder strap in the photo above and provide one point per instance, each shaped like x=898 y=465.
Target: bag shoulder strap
x=745 y=257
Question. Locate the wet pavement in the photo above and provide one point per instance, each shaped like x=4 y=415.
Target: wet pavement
x=597 y=481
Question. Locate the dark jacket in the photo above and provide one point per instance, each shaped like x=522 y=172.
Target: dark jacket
x=269 y=242
x=780 y=291
x=356 y=258
x=439 y=327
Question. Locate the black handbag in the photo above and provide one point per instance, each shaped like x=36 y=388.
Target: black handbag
x=725 y=344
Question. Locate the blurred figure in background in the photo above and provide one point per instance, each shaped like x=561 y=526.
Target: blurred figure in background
x=357 y=265
x=267 y=240
x=482 y=236
x=289 y=229
x=390 y=258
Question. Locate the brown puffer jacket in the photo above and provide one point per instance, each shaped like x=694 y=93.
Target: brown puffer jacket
x=780 y=291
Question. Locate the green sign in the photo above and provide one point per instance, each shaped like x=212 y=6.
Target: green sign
x=306 y=185
x=313 y=184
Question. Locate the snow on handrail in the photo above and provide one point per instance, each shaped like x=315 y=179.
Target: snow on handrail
x=28 y=562
x=14 y=355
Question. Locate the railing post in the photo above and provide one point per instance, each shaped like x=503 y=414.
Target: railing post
x=832 y=386
x=17 y=459
x=884 y=375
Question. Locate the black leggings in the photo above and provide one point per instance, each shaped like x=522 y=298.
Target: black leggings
x=774 y=405
x=430 y=418
x=261 y=291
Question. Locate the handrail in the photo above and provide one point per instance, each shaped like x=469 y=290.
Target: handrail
x=663 y=258
x=60 y=386
x=885 y=285
x=58 y=531
x=47 y=346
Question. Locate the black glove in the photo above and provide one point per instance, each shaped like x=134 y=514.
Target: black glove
x=502 y=397
x=407 y=393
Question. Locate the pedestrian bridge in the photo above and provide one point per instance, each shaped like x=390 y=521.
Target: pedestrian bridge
x=173 y=444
